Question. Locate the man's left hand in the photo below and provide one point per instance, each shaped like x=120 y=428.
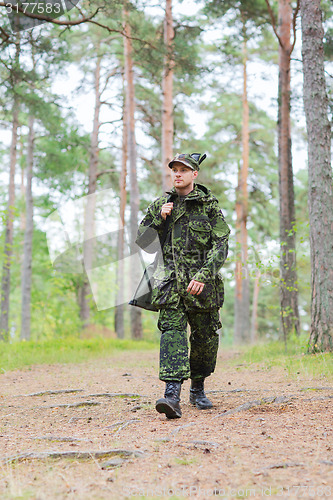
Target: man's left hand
x=195 y=287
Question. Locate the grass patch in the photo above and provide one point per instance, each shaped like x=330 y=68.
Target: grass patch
x=185 y=461
x=67 y=350
x=296 y=362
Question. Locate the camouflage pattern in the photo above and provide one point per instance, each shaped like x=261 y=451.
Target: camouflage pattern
x=195 y=248
x=188 y=159
x=204 y=341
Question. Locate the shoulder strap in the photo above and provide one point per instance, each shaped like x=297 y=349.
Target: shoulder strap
x=165 y=231
x=166 y=227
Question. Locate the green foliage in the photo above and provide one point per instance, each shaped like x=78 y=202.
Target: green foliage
x=303 y=244
x=250 y=19
x=61 y=154
x=254 y=10
x=328 y=44
x=188 y=65
x=62 y=149
x=223 y=140
x=267 y=47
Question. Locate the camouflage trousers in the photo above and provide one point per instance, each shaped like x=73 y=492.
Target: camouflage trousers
x=175 y=363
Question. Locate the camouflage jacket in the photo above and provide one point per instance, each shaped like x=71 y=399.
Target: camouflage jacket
x=196 y=247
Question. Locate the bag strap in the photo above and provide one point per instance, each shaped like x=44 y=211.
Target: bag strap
x=167 y=225
x=165 y=231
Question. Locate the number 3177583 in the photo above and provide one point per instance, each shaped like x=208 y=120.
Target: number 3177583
x=34 y=8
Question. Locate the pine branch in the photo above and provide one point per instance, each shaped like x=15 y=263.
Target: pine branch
x=89 y=19
x=5 y=35
x=294 y=23
x=109 y=171
x=271 y=13
x=40 y=17
x=111 y=73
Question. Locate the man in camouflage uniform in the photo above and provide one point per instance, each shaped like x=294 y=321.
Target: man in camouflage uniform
x=187 y=285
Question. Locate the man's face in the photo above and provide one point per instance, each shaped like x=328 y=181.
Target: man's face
x=182 y=176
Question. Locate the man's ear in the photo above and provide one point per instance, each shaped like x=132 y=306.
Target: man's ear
x=195 y=174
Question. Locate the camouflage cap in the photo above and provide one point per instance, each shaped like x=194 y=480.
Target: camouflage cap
x=192 y=160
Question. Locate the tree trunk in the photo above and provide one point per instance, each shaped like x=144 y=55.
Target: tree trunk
x=320 y=178
x=8 y=247
x=254 y=318
x=23 y=189
x=288 y=285
x=242 y=292
x=89 y=224
x=28 y=235
x=119 y=309
x=135 y=266
x=167 y=90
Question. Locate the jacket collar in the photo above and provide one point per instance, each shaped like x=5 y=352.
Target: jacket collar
x=199 y=192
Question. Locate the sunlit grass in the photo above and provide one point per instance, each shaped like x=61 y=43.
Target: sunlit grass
x=67 y=350
x=295 y=361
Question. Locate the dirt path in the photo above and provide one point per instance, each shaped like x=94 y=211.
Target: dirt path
x=266 y=436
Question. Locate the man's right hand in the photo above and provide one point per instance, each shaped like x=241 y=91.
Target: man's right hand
x=166 y=209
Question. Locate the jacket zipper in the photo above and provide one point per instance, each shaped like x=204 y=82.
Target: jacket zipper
x=173 y=255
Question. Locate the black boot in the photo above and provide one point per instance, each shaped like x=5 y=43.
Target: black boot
x=170 y=403
x=198 y=396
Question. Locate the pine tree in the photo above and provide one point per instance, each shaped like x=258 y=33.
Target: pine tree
x=119 y=309
x=136 y=324
x=167 y=93
x=15 y=79
x=320 y=177
x=288 y=288
x=245 y=17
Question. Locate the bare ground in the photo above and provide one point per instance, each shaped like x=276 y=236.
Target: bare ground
x=267 y=435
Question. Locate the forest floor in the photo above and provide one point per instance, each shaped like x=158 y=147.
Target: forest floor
x=268 y=435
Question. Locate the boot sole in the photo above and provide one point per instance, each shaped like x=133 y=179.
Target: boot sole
x=162 y=406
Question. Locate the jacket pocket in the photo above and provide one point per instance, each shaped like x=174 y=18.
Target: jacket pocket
x=207 y=299
x=199 y=234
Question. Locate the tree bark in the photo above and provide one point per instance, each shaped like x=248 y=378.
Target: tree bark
x=28 y=235
x=9 y=229
x=135 y=266
x=288 y=285
x=119 y=309
x=320 y=178
x=89 y=224
x=242 y=292
x=167 y=91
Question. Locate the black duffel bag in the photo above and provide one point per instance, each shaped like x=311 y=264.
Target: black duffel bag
x=143 y=294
